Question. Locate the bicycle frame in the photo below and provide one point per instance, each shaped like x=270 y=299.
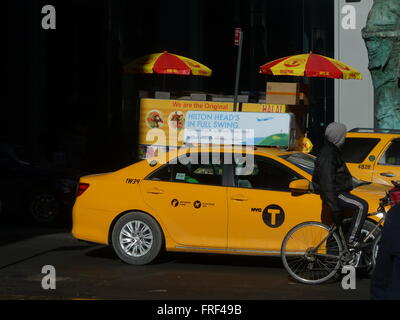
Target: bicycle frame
x=342 y=237
x=381 y=210
x=331 y=231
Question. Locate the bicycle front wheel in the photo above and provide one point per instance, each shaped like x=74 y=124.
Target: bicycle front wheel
x=311 y=253
x=374 y=253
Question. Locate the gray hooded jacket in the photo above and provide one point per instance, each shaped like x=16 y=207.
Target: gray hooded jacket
x=331 y=175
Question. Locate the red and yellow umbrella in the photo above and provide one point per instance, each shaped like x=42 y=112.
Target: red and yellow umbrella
x=310 y=65
x=167 y=63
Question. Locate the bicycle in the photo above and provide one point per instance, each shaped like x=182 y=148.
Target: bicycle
x=313 y=252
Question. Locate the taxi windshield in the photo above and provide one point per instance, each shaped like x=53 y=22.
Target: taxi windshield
x=304 y=161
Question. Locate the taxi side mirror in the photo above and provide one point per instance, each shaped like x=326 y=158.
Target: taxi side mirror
x=300 y=185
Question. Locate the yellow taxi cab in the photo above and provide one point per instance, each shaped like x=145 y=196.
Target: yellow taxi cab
x=216 y=201
x=373 y=154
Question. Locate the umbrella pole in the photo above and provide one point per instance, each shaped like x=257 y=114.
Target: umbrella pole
x=325 y=117
x=239 y=58
x=163 y=85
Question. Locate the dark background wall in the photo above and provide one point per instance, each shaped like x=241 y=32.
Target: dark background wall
x=67 y=100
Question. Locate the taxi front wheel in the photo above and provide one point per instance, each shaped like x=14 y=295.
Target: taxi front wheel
x=137 y=238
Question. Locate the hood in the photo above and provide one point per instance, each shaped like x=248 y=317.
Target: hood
x=371 y=193
x=336 y=133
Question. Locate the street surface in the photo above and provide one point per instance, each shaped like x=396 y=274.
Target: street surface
x=89 y=271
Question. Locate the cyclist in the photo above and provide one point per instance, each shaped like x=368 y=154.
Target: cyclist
x=333 y=181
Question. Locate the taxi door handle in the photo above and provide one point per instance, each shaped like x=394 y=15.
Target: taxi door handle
x=239 y=198
x=155 y=191
x=387 y=174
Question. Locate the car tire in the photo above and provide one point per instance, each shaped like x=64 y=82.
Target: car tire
x=137 y=238
x=43 y=208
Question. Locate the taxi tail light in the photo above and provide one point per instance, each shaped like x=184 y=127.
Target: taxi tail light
x=394 y=195
x=82 y=187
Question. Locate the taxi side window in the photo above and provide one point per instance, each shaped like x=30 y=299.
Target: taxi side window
x=162 y=174
x=264 y=174
x=199 y=171
x=355 y=150
x=209 y=174
x=391 y=157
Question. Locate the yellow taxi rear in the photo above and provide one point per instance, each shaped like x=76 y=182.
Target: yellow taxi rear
x=373 y=155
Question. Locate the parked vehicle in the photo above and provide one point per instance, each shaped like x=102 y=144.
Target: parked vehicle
x=39 y=194
x=373 y=154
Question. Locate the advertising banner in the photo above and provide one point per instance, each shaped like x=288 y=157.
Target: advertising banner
x=249 y=128
x=161 y=122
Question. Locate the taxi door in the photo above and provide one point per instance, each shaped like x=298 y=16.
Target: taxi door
x=190 y=199
x=387 y=168
x=262 y=209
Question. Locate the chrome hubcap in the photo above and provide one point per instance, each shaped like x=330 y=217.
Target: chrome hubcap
x=136 y=238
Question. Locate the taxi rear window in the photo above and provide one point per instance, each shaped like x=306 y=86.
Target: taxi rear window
x=355 y=150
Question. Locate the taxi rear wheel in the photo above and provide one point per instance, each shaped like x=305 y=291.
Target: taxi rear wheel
x=137 y=238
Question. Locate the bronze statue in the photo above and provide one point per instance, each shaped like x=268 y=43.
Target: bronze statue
x=382 y=39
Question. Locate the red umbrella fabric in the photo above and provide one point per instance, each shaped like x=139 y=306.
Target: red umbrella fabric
x=167 y=63
x=310 y=65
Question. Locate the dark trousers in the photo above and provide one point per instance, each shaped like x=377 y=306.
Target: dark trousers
x=385 y=283
x=360 y=209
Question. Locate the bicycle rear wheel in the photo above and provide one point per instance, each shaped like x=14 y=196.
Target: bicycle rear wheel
x=310 y=254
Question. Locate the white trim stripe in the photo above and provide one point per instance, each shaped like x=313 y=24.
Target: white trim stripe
x=359 y=215
x=230 y=250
